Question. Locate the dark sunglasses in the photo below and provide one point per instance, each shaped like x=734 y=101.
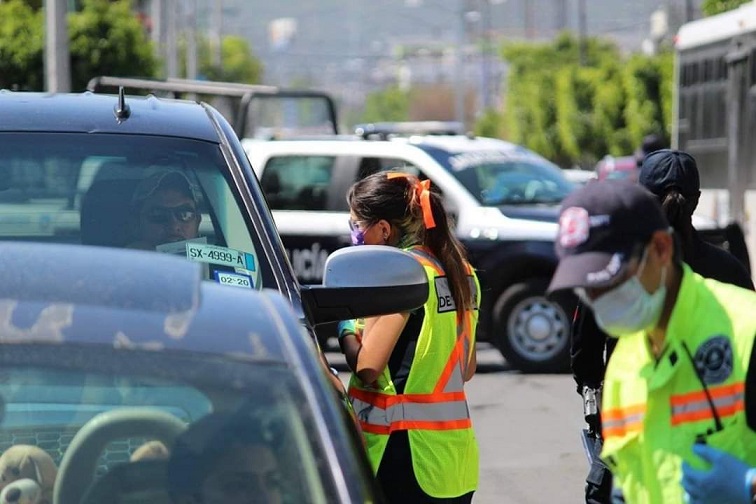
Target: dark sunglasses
x=165 y=215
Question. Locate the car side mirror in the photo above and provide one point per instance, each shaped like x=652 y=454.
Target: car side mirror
x=366 y=281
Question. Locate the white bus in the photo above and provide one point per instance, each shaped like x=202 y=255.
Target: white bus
x=715 y=112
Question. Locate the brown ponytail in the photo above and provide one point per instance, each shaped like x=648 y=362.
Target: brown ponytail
x=679 y=210
x=447 y=248
x=396 y=198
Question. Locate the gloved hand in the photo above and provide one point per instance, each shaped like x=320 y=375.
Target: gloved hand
x=345 y=328
x=727 y=481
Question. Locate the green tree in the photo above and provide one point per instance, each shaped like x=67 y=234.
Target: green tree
x=34 y=4
x=648 y=86
x=108 y=39
x=542 y=81
x=490 y=124
x=21 y=46
x=391 y=104
x=238 y=63
x=574 y=99
x=712 y=7
x=609 y=124
x=576 y=114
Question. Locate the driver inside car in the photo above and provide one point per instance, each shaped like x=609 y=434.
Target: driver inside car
x=164 y=209
x=222 y=458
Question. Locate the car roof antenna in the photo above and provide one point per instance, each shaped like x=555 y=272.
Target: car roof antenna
x=122 y=110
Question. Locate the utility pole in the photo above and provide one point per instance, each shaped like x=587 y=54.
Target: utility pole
x=218 y=33
x=158 y=32
x=582 y=32
x=560 y=15
x=191 y=41
x=485 y=55
x=57 y=56
x=459 y=83
x=529 y=28
x=171 y=57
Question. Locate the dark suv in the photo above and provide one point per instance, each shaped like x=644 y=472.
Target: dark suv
x=76 y=169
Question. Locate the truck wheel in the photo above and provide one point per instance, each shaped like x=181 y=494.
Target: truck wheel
x=531 y=331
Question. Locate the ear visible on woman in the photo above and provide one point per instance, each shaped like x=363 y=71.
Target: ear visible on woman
x=385 y=229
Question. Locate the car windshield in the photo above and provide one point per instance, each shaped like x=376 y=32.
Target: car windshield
x=168 y=195
x=133 y=437
x=497 y=178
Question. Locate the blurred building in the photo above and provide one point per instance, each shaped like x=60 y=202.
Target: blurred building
x=354 y=47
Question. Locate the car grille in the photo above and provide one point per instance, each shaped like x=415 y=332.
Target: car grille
x=55 y=441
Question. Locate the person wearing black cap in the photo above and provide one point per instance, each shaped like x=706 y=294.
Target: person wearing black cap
x=672 y=176
x=677 y=374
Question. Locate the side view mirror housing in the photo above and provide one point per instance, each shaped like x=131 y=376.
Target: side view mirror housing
x=366 y=281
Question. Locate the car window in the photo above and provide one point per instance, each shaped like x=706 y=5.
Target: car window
x=514 y=181
x=168 y=195
x=297 y=182
x=177 y=437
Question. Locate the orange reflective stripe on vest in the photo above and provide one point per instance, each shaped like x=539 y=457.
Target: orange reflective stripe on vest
x=620 y=421
x=694 y=406
x=382 y=414
x=443 y=409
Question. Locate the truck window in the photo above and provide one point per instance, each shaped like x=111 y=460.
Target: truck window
x=297 y=182
x=370 y=165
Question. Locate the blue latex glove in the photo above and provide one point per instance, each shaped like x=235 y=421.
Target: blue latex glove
x=345 y=328
x=727 y=481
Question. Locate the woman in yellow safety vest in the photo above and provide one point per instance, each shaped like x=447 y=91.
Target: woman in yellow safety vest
x=409 y=369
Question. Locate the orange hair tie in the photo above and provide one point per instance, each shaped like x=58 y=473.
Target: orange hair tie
x=422 y=189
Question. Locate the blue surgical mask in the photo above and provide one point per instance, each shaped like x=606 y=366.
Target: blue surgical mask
x=628 y=308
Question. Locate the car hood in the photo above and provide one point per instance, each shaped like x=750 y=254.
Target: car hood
x=489 y=223
x=541 y=213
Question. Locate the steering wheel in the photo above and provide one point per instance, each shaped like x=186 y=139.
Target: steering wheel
x=77 y=469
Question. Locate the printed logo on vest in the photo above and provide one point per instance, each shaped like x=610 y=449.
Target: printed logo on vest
x=444 y=296
x=714 y=360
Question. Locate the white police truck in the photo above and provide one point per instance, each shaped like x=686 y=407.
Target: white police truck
x=503 y=198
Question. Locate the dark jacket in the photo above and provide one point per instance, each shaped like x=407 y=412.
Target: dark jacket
x=711 y=261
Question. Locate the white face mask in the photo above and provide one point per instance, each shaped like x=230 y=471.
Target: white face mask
x=628 y=308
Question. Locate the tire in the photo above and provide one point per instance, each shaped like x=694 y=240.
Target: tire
x=531 y=331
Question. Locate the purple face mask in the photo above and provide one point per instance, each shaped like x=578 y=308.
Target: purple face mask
x=358 y=237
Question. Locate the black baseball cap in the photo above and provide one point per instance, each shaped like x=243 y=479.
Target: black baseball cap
x=666 y=168
x=601 y=226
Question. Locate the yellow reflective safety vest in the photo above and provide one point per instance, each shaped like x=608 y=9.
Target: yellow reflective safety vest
x=654 y=410
x=433 y=407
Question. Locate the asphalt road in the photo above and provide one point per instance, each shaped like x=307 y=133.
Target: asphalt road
x=528 y=429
